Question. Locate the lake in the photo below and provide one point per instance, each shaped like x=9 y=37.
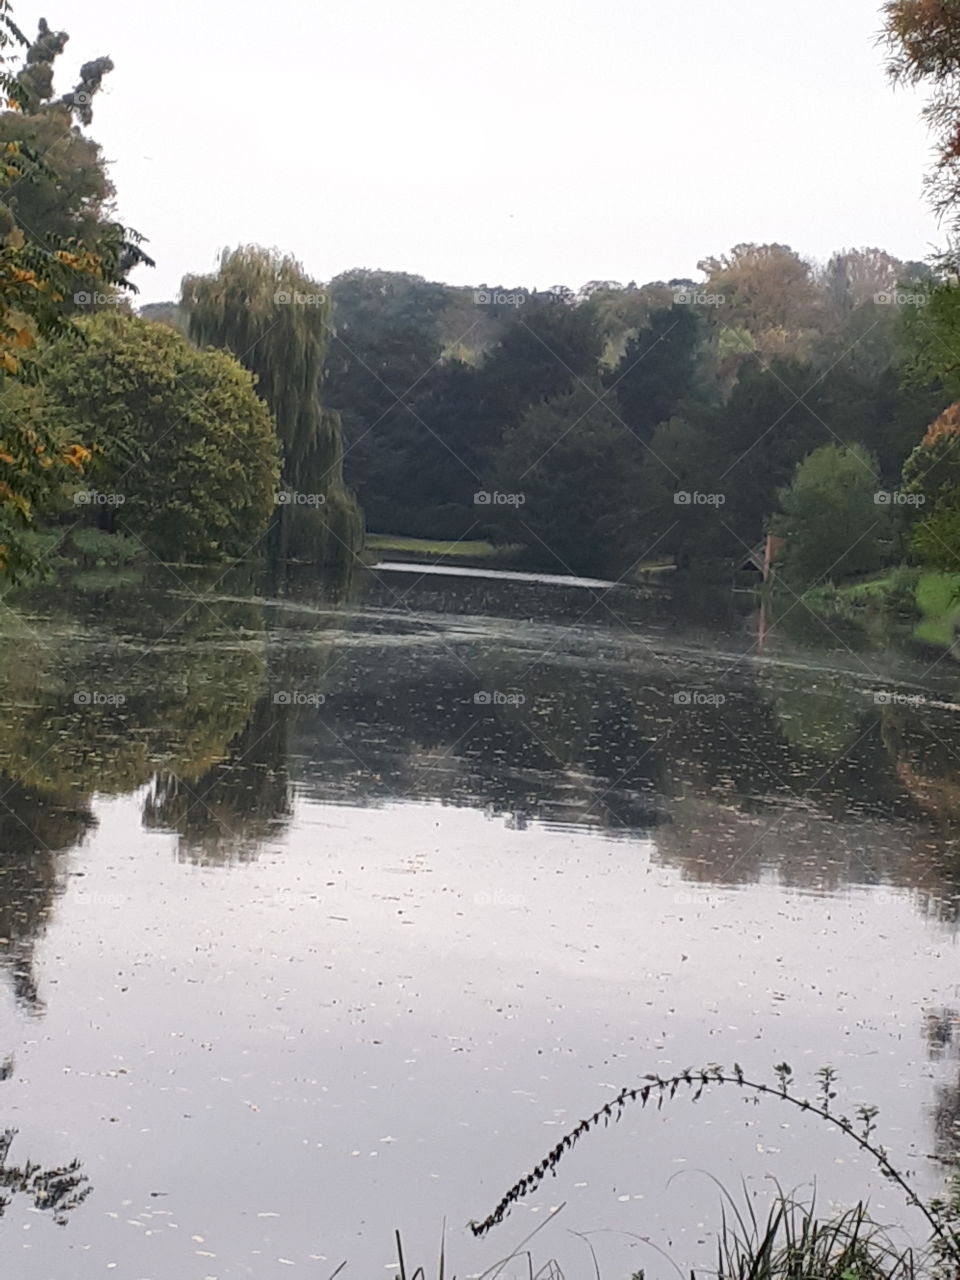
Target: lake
x=324 y=916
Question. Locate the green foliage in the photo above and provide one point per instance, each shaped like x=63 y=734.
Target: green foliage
x=758 y=437
x=657 y=369
x=931 y=478
x=463 y=548
x=56 y=246
x=793 y=1243
x=100 y=548
x=35 y=462
x=566 y=468
x=184 y=449
x=58 y=193
x=432 y=383
x=427 y=381
x=276 y=320
x=833 y=525
x=724 y=399
x=932 y=331
x=896 y=592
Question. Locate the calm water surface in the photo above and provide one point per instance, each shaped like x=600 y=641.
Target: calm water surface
x=320 y=918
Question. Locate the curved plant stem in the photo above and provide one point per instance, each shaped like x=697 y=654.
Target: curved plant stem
x=665 y=1088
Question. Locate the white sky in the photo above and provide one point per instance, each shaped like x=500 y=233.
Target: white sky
x=515 y=142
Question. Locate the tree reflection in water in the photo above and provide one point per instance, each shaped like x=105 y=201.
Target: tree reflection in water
x=941 y=1029
x=224 y=815
x=55 y=1191
x=35 y=830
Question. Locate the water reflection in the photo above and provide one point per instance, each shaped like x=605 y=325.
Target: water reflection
x=225 y=814
x=35 y=829
x=645 y=719
x=631 y=746
x=942 y=1032
x=55 y=1191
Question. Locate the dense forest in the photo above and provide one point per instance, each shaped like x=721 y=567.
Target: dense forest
x=576 y=424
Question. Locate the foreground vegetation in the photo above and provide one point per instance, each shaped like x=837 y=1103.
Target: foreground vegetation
x=792 y=1241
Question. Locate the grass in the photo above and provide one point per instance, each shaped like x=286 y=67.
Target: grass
x=793 y=1243
x=99 y=548
x=790 y=1243
x=476 y=549
x=935 y=601
x=873 y=591
x=938 y=592
x=650 y=568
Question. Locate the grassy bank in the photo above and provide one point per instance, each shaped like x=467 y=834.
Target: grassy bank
x=438 y=549
x=930 y=598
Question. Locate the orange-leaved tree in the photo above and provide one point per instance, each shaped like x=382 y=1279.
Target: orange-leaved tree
x=39 y=279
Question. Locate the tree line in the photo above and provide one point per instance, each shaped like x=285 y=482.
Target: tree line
x=264 y=412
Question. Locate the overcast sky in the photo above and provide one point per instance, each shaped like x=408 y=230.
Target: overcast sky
x=515 y=142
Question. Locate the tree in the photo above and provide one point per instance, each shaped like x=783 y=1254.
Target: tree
x=621 y=312
x=855 y=276
x=769 y=423
x=276 y=320
x=543 y=354
x=563 y=477
x=677 y=510
x=178 y=434
x=60 y=193
x=769 y=290
x=427 y=381
x=923 y=42
x=384 y=347
x=931 y=478
x=657 y=369
x=830 y=517
x=39 y=276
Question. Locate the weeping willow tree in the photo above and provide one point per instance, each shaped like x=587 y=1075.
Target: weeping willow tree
x=264 y=309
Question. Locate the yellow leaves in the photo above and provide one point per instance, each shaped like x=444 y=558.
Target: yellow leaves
x=11 y=171
x=6 y=457
x=76 y=456
x=947 y=424
x=20 y=337
x=83 y=261
x=15 y=499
